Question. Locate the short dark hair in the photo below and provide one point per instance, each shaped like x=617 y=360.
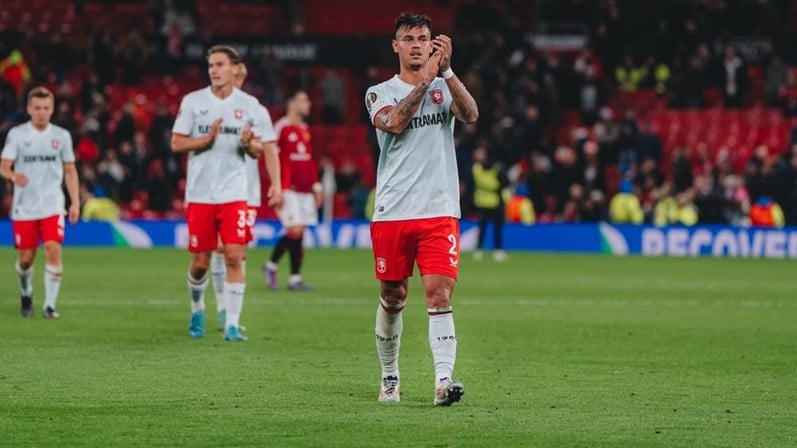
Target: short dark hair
x=413 y=20
x=40 y=92
x=232 y=53
x=291 y=94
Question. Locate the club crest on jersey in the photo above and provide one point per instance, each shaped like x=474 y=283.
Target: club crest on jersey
x=381 y=265
x=55 y=144
x=239 y=113
x=437 y=96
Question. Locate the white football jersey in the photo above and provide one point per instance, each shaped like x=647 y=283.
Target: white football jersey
x=40 y=155
x=218 y=175
x=417 y=173
x=252 y=171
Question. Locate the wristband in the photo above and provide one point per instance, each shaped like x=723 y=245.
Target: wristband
x=447 y=73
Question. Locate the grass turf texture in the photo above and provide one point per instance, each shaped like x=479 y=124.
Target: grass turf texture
x=555 y=350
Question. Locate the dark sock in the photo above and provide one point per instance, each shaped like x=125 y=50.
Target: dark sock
x=279 y=249
x=296 y=252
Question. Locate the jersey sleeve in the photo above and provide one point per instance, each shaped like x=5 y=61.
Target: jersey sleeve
x=264 y=127
x=184 y=122
x=68 y=150
x=10 y=147
x=376 y=99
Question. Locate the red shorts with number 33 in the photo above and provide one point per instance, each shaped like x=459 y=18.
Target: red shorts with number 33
x=208 y=222
x=28 y=233
x=431 y=242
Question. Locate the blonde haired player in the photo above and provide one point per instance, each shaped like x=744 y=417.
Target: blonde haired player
x=416 y=216
x=216 y=126
x=38 y=158
x=218 y=268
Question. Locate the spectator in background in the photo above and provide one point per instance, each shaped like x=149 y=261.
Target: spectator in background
x=489 y=182
x=14 y=70
x=734 y=81
x=158 y=187
x=126 y=126
x=766 y=213
x=676 y=210
x=736 y=201
x=96 y=206
x=628 y=76
x=333 y=94
x=160 y=130
x=270 y=73
x=133 y=55
x=519 y=208
x=102 y=55
x=708 y=200
x=776 y=77
x=624 y=207
x=63 y=118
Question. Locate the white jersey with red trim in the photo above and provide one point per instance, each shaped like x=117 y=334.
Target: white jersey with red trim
x=417 y=173
x=39 y=155
x=218 y=174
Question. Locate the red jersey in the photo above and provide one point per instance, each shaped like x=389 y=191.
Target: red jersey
x=298 y=169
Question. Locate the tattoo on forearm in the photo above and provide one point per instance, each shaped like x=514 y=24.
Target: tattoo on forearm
x=401 y=115
x=464 y=105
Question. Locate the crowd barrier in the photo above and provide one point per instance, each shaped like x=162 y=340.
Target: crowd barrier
x=718 y=241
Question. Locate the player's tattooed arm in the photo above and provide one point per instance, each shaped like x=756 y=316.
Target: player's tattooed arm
x=462 y=105
x=395 y=119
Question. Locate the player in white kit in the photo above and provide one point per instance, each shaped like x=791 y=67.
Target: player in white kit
x=416 y=216
x=38 y=158
x=218 y=268
x=213 y=126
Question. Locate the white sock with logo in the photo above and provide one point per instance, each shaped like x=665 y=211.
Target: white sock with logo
x=52 y=284
x=442 y=341
x=196 y=292
x=389 y=325
x=234 y=294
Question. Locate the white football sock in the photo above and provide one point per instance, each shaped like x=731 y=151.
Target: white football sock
x=388 y=336
x=234 y=294
x=52 y=284
x=25 y=285
x=295 y=279
x=196 y=291
x=218 y=270
x=442 y=341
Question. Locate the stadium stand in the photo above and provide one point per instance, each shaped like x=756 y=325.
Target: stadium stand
x=644 y=82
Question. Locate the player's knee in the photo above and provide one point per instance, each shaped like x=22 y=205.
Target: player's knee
x=394 y=293
x=25 y=263
x=438 y=297
x=233 y=258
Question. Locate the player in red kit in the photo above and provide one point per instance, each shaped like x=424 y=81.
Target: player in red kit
x=301 y=189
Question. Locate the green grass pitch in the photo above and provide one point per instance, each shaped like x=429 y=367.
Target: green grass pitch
x=554 y=350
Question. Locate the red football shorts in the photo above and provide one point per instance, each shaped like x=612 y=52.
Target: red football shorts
x=251 y=219
x=28 y=233
x=431 y=242
x=208 y=222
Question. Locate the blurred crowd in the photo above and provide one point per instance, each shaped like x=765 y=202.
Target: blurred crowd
x=554 y=121
x=679 y=54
